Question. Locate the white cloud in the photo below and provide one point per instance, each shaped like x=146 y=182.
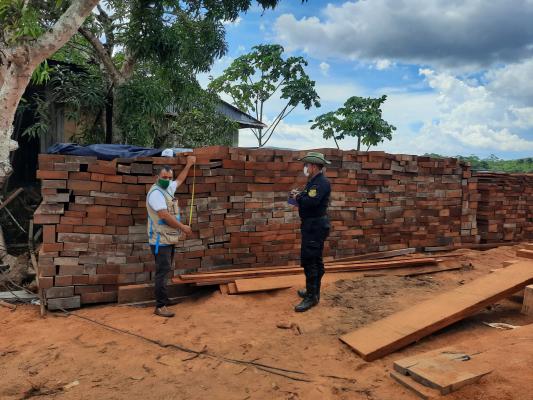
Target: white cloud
x=437 y=32
x=383 y=64
x=472 y=116
x=324 y=68
x=236 y=22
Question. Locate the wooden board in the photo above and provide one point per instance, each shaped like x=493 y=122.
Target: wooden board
x=527 y=305
x=525 y=253
x=447 y=369
x=377 y=255
x=232 y=289
x=145 y=292
x=417 y=388
x=268 y=283
x=405 y=327
x=528 y=246
x=219 y=278
x=252 y=285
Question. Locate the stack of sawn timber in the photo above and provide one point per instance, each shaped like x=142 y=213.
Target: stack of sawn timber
x=239 y=281
x=505 y=210
x=94 y=215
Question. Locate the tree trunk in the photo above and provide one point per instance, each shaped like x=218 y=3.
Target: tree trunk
x=109 y=117
x=18 y=62
x=358 y=143
x=11 y=92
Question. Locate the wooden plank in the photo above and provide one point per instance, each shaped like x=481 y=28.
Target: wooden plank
x=420 y=390
x=446 y=369
x=145 y=292
x=289 y=271
x=17 y=294
x=405 y=327
x=525 y=253
x=232 y=289
x=268 y=283
x=377 y=255
x=251 y=285
x=527 y=305
x=224 y=288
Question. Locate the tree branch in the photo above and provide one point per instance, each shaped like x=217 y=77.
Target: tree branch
x=127 y=66
x=105 y=58
x=279 y=120
x=62 y=31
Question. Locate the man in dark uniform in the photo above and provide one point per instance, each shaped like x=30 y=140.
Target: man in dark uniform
x=312 y=204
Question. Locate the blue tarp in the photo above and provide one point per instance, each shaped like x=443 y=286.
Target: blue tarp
x=103 y=151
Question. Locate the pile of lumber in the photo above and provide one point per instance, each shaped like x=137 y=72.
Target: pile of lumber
x=505 y=210
x=93 y=213
x=238 y=281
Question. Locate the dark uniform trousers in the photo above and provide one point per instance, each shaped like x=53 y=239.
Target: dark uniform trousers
x=314 y=231
x=163 y=266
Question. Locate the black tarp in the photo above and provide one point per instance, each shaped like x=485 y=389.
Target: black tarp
x=103 y=151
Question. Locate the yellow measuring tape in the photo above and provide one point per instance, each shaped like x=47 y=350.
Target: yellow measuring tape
x=192 y=197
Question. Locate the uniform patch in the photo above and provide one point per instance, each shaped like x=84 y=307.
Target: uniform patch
x=312 y=192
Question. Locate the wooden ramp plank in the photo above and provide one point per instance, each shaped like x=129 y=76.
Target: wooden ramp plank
x=405 y=327
x=525 y=253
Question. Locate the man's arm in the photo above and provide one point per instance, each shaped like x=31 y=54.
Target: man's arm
x=173 y=222
x=183 y=174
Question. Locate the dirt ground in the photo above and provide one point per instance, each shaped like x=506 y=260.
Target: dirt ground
x=39 y=356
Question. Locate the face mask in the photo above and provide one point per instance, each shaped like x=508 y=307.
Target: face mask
x=163 y=183
x=306 y=170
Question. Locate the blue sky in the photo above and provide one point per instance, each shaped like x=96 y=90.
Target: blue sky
x=457 y=73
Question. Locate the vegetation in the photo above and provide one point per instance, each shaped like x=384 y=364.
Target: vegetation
x=494 y=163
x=140 y=58
x=255 y=78
x=359 y=117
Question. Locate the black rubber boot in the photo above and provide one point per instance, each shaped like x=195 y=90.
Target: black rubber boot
x=310 y=299
x=303 y=292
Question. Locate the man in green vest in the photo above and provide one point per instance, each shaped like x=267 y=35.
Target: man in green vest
x=165 y=229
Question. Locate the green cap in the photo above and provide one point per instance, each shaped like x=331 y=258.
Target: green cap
x=315 y=158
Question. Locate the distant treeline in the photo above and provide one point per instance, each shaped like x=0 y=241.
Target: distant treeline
x=494 y=163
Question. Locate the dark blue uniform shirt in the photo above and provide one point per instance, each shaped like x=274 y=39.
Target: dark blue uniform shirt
x=313 y=201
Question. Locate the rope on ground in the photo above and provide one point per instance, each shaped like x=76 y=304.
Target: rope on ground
x=263 y=367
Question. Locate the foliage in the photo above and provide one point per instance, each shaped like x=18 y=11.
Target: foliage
x=359 y=117
x=493 y=163
x=80 y=93
x=202 y=127
x=254 y=78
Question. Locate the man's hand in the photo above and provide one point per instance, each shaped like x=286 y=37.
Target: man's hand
x=191 y=160
x=186 y=229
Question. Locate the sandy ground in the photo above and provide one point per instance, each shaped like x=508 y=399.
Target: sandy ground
x=39 y=356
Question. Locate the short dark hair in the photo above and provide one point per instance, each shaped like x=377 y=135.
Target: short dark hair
x=164 y=168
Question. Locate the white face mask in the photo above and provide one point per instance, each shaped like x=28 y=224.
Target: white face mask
x=306 y=170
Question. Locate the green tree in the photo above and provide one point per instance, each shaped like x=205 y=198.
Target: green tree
x=165 y=44
x=359 y=117
x=259 y=76
x=30 y=32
